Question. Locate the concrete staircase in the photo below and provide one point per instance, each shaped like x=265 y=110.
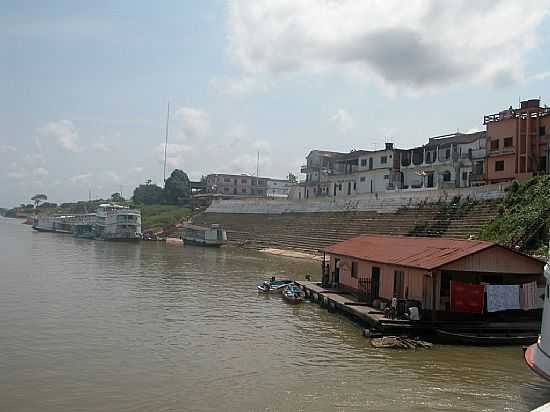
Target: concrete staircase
x=312 y=231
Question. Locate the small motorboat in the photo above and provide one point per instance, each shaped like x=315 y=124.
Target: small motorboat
x=273 y=285
x=293 y=294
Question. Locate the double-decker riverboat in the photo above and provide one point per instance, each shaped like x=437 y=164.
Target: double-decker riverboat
x=117 y=222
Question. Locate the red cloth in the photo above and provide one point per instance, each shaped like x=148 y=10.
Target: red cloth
x=467 y=297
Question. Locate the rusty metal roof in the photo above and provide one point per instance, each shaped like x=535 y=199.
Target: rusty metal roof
x=416 y=252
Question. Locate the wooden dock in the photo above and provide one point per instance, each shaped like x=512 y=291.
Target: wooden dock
x=336 y=300
x=340 y=301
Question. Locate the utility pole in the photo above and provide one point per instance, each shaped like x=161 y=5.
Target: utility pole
x=258 y=165
x=166 y=142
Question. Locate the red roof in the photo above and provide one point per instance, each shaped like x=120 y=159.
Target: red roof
x=417 y=252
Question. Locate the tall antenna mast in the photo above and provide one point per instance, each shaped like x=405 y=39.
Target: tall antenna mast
x=166 y=142
x=258 y=165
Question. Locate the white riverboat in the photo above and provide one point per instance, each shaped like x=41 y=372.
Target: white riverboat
x=212 y=235
x=117 y=222
x=538 y=354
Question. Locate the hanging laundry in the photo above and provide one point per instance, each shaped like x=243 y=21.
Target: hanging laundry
x=466 y=297
x=528 y=296
x=502 y=297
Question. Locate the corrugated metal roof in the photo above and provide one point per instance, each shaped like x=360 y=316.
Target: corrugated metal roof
x=416 y=252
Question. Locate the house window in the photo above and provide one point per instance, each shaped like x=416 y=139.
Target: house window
x=447 y=153
x=542 y=130
x=354 y=266
x=354 y=185
x=244 y=190
x=386 y=177
x=464 y=176
x=340 y=187
x=363 y=162
x=508 y=142
x=446 y=176
x=499 y=165
x=244 y=181
x=384 y=160
x=494 y=144
x=362 y=179
x=428 y=157
x=227 y=180
x=226 y=189
x=398 y=284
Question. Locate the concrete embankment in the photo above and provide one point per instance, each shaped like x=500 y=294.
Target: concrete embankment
x=308 y=232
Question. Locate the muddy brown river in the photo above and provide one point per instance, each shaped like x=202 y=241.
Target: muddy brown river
x=98 y=326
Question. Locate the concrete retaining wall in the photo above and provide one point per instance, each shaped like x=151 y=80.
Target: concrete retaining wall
x=383 y=202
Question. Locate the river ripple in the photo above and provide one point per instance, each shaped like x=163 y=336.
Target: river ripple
x=88 y=326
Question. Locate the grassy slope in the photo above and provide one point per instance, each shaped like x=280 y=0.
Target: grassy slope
x=162 y=215
x=524 y=204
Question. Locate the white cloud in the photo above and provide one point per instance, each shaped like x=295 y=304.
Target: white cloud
x=240 y=86
x=40 y=172
x=101 y=145
x=541 y=76
x=16 y=175
x=424 y=45
x=7 y=149
x=80 y=178
x=343 y=120
x=64 y=133
x=176 y=154
x=195 y=122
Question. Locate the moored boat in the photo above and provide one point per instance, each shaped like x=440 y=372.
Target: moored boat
x=293 y=294
x=537 y=355
x=212 y=235
x=273 y=285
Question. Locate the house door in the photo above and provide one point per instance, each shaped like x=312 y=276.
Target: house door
x=427 y=289
x=336 y=278
x=349 y=188
x=430 y=180
x=334 y=189
x=375 y=283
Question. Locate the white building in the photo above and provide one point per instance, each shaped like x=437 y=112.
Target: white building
x=277 y=188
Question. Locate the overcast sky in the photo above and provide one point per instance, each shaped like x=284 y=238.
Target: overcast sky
x=85 y=84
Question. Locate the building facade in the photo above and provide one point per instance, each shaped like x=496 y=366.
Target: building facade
x=245 y=185
x=518 y=142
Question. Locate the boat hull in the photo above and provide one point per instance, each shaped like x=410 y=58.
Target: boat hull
x=538 y=361
x=484 y=339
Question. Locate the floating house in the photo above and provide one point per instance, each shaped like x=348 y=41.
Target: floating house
x=117 y=222
x=212 y=235
x=448 y=279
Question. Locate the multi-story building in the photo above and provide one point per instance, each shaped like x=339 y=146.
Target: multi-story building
x=448 y=161
x=339 y=174
x=245 y=185
x=518 y=142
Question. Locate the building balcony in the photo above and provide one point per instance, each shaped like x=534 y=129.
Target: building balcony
x=502 y=150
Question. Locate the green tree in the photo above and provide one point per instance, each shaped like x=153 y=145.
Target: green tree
x=117 y=198
x=292 y=178
x=177 y=189
x=148 y=194
x=39 y=198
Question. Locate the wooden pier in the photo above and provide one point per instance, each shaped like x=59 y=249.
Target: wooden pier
x=340 y=301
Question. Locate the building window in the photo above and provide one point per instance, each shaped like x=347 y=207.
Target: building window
x=542 y=130
x=340 y=187
x=363 y=162
x=384 y=160
x=508 y=142
x=354 y=185
x=428 y=157
x=227 y=180
x=362 y=179
x=464 y=176
x=399 y=284
x=386 y=177
x=446 y=176
x=243 y=190
x=499 y=166
x=354 y=267
x=494 y=144
x=226 y=189
x=447 y=153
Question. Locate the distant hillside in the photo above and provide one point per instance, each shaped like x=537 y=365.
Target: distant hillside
x=523 y=217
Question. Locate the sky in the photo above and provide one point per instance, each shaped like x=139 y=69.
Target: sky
x=84 y=86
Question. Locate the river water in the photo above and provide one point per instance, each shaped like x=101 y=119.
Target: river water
x=90 y=326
